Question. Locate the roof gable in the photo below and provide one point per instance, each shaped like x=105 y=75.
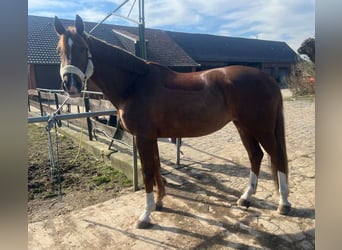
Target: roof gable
x=160 y=47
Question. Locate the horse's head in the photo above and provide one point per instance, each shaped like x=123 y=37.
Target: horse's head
x=76 y=65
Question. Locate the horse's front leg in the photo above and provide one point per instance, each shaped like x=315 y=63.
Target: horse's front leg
x=150 y=164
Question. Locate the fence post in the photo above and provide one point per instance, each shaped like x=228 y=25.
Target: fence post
x=40 y=103
x=89 y=124
x=29 y=104
x=59 y=123
x=178 y=144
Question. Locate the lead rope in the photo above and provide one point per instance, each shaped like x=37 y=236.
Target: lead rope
x=54 y=163
x=85 y=76
x=57 y=163
x=51 y=153
x=81 y=136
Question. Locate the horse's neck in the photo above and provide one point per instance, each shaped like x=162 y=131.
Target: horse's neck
x=115 y=71
x=114 y=55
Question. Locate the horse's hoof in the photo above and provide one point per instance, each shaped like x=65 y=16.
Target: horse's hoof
x=159 y=206
x=284 y=209
x=144 y=224
x=243 y=202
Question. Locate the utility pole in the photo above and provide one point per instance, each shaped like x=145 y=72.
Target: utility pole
x=142 y=30
x=109 y=14
x=141 y=51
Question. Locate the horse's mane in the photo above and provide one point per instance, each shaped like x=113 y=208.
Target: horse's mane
x=117 y=56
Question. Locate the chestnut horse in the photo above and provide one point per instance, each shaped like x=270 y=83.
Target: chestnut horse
x=153 y=101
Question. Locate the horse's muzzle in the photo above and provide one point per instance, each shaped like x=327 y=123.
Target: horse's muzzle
x=72 y=85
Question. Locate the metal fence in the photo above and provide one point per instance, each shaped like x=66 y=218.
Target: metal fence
x=49 y=97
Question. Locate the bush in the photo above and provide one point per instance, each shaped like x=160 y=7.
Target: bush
x=301 y=80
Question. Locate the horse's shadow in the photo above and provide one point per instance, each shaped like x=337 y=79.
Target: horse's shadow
x=150 y=240
x=230 y=197
x=230 y=168
x=222 y=192
x=265 y=239
x=232 y=228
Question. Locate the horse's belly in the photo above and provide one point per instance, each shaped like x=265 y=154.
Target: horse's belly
x=190 y=127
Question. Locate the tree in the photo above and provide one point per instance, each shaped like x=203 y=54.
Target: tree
x=308 y=48
x=301 y=80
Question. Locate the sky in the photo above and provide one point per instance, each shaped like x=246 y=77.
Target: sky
x=290 y=21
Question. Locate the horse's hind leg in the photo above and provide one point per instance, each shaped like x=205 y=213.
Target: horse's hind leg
x=150 y=164
x=279 y=168
x=255 y=155
x=160 y=188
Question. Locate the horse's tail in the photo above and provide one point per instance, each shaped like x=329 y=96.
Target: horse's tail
x=281 y=145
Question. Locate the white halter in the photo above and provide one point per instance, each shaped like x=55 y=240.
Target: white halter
x=71 y=69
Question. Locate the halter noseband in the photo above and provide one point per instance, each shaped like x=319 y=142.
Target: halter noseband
x=71 y=69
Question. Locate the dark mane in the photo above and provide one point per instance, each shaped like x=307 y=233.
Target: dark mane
x=117 y=56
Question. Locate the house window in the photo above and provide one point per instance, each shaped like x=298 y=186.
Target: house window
x=269 y=70
x=282 y=76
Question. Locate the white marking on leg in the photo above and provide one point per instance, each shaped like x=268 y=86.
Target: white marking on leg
x=283 y=189
x=251 y=187
x=149 y=207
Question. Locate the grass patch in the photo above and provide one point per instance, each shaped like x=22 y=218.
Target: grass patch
x=86 y=173
x=106 y=174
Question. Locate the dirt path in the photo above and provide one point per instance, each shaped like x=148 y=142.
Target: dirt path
x=84 y=182
x=200 y=210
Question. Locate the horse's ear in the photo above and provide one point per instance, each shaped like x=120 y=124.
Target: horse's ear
x=79 y=25
x=59 y=28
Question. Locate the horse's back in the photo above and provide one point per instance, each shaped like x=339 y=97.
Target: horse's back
x=198 y=103
x=244 y=86
x=242 y=78
x=249 y=79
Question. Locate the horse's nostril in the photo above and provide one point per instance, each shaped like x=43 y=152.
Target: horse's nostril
x=73 y=90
